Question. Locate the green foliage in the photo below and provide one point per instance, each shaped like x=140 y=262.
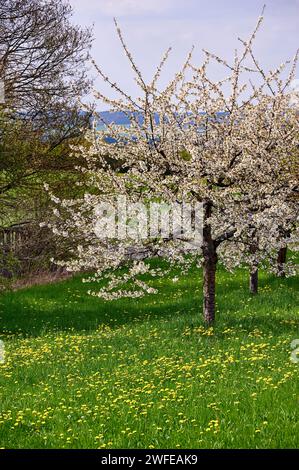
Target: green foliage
x=185 y=155
x=9 y=266
x=26 y=163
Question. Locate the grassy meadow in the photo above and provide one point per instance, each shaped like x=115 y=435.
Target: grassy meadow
x=84 y=373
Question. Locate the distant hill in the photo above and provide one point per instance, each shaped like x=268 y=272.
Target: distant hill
x=119 y=118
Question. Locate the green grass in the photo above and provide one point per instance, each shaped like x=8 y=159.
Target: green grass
x=84 y=373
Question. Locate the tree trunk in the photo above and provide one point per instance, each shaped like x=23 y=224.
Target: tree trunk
x=209 y=284
x=254 y=274
x=209 y=270
x=253 y=281
x=281 y=260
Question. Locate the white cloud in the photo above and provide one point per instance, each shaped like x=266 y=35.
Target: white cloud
x=150 y=26
x=123 y=7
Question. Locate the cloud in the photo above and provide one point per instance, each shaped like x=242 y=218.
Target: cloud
x=150 y=26
x=123 y=7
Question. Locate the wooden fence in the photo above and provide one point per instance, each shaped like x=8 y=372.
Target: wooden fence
x=13 y=237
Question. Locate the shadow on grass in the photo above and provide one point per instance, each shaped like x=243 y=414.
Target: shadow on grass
x=66 y=306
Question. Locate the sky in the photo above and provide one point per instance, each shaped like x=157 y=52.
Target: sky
x=151 y=26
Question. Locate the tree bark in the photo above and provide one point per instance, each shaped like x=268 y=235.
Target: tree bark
x=254 y=274
x=209 y=270
x=281 y=260
x=209 y=284
x=253 y=281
